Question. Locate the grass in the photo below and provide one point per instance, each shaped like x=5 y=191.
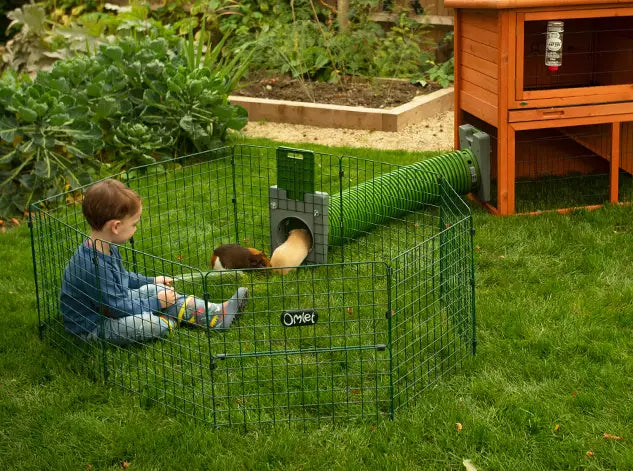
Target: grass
x=331 y=371
x=552 y=373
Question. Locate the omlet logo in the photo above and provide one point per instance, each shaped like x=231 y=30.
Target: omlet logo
x=298 y=317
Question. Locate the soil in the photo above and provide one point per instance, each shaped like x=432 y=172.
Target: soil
x=349 y=91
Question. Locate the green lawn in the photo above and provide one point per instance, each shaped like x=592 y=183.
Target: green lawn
x=552 y=375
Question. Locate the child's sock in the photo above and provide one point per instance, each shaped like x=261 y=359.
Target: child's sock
x=221 y=316
x=228 y=310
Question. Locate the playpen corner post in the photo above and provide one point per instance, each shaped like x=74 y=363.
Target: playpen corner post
x=442 y=238
x=134 y=261
x=212 y=365
x=102 y=339
x=37 y=293
x=473 y=310
x=389 y=316
x=234 y=196
x=341 y=174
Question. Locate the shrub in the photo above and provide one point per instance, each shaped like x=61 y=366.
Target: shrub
x=307 y=49
x=43 y=37
x=132 y=103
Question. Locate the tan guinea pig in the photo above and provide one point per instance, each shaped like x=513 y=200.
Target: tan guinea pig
x=293 y=251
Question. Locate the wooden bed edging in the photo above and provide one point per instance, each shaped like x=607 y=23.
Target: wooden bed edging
x=349 y=117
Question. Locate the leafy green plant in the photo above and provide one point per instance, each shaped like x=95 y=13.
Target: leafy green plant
x=197 y=93
x=5 y=7
x=43 y=39
x=299 y=51
x=356 y=49
x=72 y=7
x=131 y=104
x=46 y=141
x=442 y=73
x=303 y=50
x=186 y=16
x=306 y=49
x=31 y=48
x=141 y=143
x=400 y=54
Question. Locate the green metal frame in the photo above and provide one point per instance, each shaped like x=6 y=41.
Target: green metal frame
x=395 y=304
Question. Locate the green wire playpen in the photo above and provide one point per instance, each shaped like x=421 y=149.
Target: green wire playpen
x=392 y=307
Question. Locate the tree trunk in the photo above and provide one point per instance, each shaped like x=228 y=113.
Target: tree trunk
x=342 y=14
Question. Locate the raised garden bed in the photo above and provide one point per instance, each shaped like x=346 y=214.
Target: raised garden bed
x=385 y=105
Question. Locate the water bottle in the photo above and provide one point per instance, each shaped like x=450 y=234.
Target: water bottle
x=554 y=45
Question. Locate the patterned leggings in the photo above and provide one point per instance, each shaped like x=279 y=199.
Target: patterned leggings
x=146 y=326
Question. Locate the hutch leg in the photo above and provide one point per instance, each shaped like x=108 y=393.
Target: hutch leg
x=615 y=162
x=505 y=169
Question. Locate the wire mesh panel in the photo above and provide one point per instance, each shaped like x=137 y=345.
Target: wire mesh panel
x=433 y=307
x=310 y=347
x=357 y=337
x=563 y=167
x=187 y=209
x=593 y=52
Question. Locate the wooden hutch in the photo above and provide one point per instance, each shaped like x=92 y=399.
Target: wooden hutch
x=503 y=86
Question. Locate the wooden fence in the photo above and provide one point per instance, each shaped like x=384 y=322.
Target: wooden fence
x=423 y=11
x=430 y=7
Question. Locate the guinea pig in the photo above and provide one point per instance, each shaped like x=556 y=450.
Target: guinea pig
x=234 y=256
x=293 y=251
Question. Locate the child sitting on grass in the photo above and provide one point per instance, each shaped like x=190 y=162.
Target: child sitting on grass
x=134 y=307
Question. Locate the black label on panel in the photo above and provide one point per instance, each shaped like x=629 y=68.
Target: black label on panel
x=298 y=317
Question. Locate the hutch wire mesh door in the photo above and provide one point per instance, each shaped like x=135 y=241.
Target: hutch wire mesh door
x=392 y=310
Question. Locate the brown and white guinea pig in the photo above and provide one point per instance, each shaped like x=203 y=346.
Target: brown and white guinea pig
x=234 y=256
x=293 y=251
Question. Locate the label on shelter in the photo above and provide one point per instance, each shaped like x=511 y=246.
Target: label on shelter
x=299 y=317
x=554 y=45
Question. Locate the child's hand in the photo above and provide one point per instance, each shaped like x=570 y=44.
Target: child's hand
x=163 y=280
x=166 y=298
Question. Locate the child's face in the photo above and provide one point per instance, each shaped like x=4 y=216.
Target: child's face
x=124 y=229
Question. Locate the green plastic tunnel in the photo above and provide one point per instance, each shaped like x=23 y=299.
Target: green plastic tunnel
x=359 y=209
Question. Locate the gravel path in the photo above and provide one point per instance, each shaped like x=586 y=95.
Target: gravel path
x=435 y=133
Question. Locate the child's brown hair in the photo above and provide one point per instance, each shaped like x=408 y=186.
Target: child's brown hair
x=109 y=199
